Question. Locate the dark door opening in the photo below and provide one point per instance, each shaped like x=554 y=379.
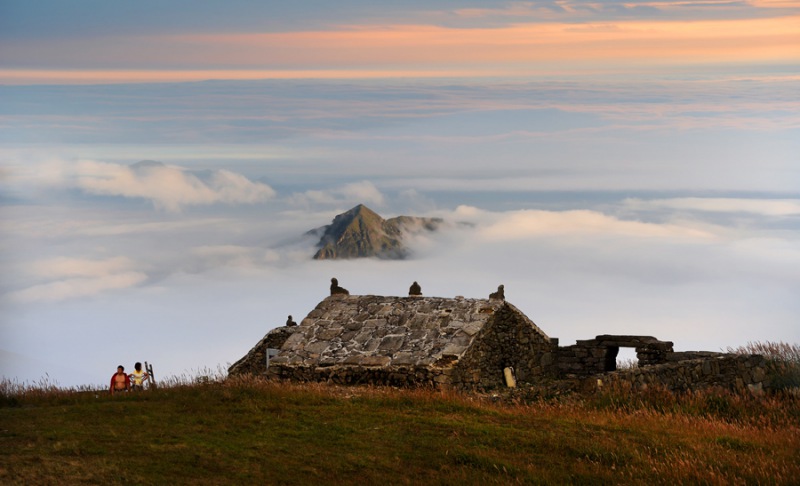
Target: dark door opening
x=611 y=358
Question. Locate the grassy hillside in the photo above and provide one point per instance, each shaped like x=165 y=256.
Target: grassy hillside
x=249 y=431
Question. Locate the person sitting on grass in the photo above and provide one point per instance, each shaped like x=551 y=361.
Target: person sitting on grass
x=120 y=382
x=138 y=377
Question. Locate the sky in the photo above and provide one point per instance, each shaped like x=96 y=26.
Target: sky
x=621 y=167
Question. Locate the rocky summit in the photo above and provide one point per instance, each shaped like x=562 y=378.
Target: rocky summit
x=361 y=232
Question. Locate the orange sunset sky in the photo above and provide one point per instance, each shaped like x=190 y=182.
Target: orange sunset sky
x=513 y=39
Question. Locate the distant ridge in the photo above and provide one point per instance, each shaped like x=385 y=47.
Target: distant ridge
x=361 y=232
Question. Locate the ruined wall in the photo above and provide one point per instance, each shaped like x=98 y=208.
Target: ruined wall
x=598 y=355
x=595 y=360
x=729 y=371
x=508 y=339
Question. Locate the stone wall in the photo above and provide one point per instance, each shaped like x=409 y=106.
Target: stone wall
x=598 y=355
x=508 y=340
x=658 y=364
x=687 y=355
x=255 y=361
x=400 y=376
x=729 y=371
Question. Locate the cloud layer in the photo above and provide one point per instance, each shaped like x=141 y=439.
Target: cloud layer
x=216 y=286
x=363 y=192
x=521 y=225
x=766 y=207
x=662 y=206
x=71 y=278
x=170 y=188
x=393 y=40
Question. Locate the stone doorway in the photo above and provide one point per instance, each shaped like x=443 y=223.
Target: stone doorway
x=627 y=358
x=620 y=358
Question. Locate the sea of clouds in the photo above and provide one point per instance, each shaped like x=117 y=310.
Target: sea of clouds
x=175 y=235
x=185 y=278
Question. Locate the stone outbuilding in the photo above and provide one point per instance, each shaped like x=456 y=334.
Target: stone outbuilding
x=407 y=341
x=473 y=344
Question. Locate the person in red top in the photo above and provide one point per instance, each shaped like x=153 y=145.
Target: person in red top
x=120 y=382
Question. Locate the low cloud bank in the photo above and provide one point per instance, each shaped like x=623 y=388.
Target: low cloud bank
x=520 y=225
x=72 y=288
x=64 y=278
x=168 y=187
x=363 y=192
x=766 y=207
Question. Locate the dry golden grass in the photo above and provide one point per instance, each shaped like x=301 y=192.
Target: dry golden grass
x=212 y=430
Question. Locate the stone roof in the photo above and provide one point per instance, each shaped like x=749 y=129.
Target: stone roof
x=370 y=330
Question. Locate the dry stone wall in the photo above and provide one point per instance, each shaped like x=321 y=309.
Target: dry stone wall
x=729 y=371
x=598 y=355
x=509 y=340
x=255 y=361
x=400 y=376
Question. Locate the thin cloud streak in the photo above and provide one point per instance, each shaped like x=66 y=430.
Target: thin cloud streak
x=170 y=188
x=527 y=224
x=766 y=207
x=127 y=76
x=73 y=288
x=353 y=193
x=72 y=267
x=363 y=50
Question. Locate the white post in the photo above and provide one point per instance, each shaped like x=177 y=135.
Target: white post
x=271 y=352
x=509 y=375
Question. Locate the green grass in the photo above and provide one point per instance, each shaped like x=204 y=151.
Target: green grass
x=249 y=431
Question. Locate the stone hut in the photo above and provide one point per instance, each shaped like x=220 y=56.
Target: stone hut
x=409 y=341
x=473 y=344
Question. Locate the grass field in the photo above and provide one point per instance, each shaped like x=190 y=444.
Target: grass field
x=250 y=431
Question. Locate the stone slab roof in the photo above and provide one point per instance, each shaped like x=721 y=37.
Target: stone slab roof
x=370 y=330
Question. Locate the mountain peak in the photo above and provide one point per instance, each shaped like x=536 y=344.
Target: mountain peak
x=361 y=232
x=359 y=211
